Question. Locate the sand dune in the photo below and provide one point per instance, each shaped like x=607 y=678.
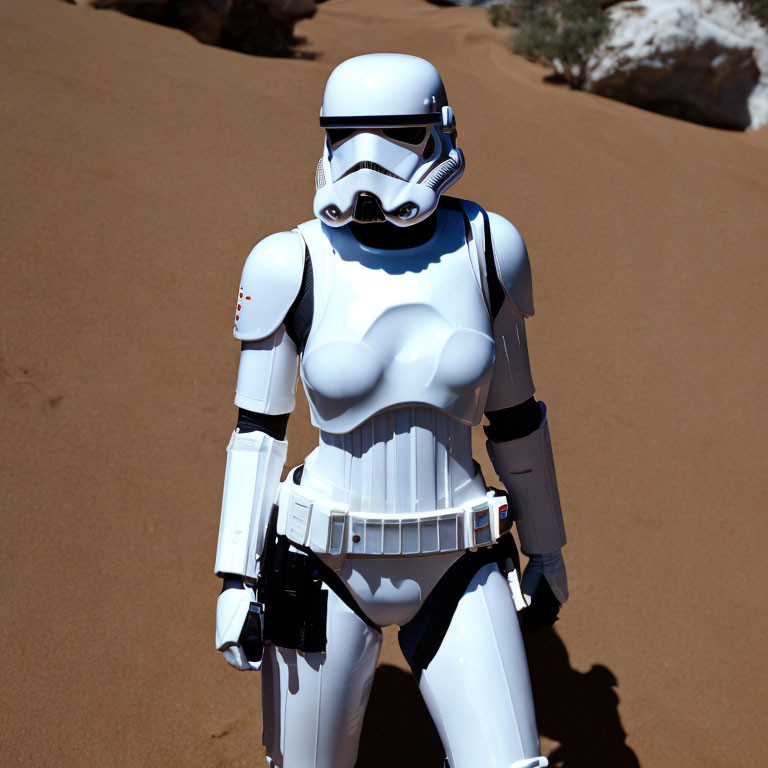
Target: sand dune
x=139 y=167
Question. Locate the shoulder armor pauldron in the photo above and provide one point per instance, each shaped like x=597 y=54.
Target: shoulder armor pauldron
x=510 y=257
x=512 y=264
x=270 y=282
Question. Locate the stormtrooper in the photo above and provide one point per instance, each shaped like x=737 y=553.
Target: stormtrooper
x=404 y=312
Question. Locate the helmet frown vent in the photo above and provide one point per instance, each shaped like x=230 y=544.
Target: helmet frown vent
x=369 y=166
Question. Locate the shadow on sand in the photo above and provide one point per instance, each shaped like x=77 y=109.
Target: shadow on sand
x=579 y=710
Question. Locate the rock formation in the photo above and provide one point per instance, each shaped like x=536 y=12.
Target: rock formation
x=250 y=26
x=700 y=60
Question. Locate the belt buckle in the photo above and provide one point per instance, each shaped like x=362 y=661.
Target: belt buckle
x=488 y=520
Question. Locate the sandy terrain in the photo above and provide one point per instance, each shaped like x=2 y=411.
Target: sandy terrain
x=139 y=167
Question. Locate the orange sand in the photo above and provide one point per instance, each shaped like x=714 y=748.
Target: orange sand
x=139 y=167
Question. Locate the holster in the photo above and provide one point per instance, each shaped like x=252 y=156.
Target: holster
x=290 y=588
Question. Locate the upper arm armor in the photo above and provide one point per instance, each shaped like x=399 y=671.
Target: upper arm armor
x=270 y=282
x=512 y=265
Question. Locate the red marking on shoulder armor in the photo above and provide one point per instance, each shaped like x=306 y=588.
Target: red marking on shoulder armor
x=239 y=307
x=237 y=317
x=247 y=298
x=241 y=295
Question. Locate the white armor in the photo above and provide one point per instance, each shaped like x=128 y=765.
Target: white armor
x=404 y=355
x=254 y=463
x=408 y=155
x=390 y=328
x=269 y=284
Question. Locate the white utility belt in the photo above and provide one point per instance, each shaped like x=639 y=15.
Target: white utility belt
x=330 y=528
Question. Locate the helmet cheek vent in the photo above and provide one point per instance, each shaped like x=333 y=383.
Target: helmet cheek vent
x=446 y=172
x=332 y=212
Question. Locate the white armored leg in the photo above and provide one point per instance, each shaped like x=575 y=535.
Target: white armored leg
x=477 y=687
x=314 y=704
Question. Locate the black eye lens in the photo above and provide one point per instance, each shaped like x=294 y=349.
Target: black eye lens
x=337 y=135
x=409 y=135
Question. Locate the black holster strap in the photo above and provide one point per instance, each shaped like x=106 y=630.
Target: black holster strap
x=421 y=637
x=334 y=582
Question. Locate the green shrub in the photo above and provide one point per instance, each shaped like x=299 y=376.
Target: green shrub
x=503 y=13
x=565 y=31
x=758 y=9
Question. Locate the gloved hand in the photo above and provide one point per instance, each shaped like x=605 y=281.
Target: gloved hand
x=239 y=627
x=545 y=589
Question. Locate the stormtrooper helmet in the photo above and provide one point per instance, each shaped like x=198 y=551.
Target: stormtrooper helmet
x=390 y=147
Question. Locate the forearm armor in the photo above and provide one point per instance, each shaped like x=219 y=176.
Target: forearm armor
x=526 y=468
x=254 y=464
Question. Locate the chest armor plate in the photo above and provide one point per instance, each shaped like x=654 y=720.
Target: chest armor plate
x=395 y=328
